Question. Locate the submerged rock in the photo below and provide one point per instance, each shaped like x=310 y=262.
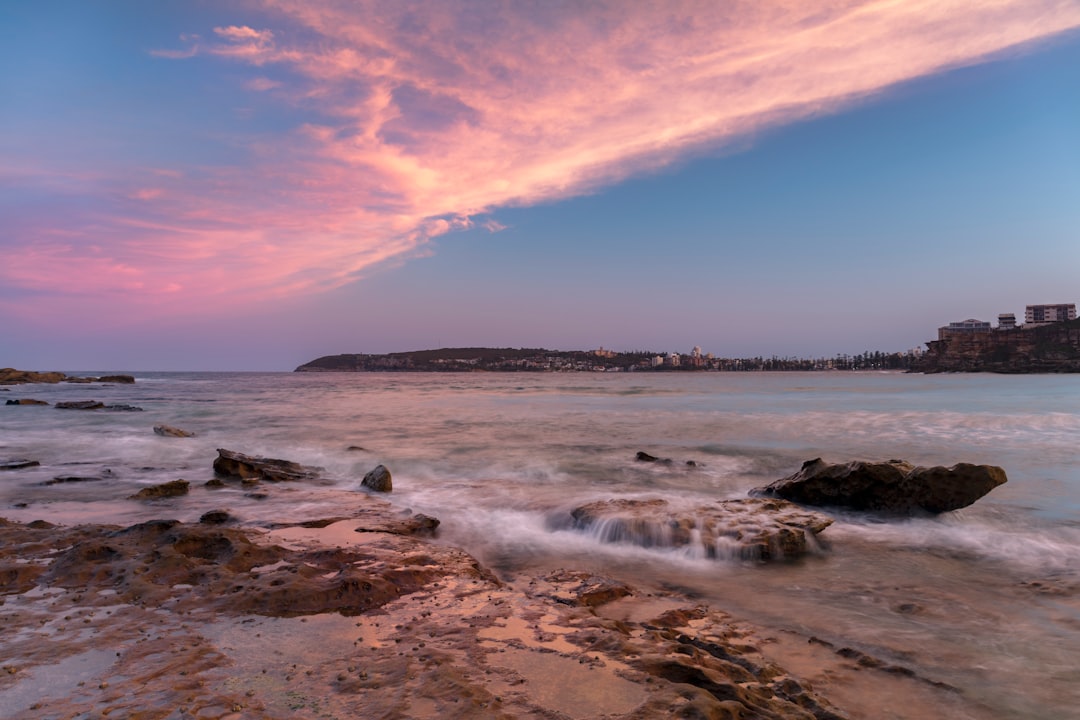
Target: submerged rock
x=173 y=488
x=80 y=405
x=215 y=517
x=26 y=401
x=251 y=469
x=378 y=480
x=119 y=379
x=95 y=405
x=895 y=487
x=170 y=431
x=17 y=464
x=749 y=529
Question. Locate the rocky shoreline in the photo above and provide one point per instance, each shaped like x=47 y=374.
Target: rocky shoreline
x=369 y=615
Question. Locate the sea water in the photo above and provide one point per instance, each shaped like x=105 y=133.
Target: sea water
x=985 y=599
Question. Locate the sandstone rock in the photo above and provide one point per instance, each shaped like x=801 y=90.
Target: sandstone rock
x=215 y=517
x=749 y=529
x=17 y=464
x=251 y=469
x=11 y=376
x=80 y=405
x=170 y=431
x=173 y=488
x=894 y=487
x=26 y=401
x=378 y=480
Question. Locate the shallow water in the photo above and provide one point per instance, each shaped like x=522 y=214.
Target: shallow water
x=984 y=599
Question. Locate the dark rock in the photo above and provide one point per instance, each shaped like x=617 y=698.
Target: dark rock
x=80 y=405
x=11 y=376
x=173 y=488
x=646 y=457
x=123 y=408
x=893 y=487
x=418 y=524
x=62 y=479
x=355 y=448
x=378 y=480
x=26 y=401
x=119 y=379
x=170 y=431
x=17 y=464
x=750 y=529
x=214 y=483
x=79 y=380
x=215 y=517
x=251 y=469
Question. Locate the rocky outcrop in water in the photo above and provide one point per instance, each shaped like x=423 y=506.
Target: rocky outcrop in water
x=251 y=469
x=18 y=464
x=95 y=405
x=170 y=431
x=378 y=480
x=893 y=487
x=11 y=376
x=173 y=488
x=748 y=529
x=26 y=401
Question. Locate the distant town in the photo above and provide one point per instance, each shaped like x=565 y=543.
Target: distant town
x=604 y=360
x=599 y=360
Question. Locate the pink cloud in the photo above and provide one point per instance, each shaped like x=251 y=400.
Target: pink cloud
x=432 y=114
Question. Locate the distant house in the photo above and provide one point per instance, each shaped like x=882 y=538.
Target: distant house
x=964 y=326
x=1035 y=314
x=1006 y=321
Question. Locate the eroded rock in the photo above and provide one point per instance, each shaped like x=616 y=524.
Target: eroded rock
x=170 y=431
x=173 y=488
x=893 y=487
x=11 y=376
x=251 y=469
x=378 y=480
x=750 y=529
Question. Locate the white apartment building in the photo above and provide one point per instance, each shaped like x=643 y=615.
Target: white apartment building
x=1049 y=313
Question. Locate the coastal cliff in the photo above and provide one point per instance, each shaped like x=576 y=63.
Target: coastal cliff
x=1052 y=348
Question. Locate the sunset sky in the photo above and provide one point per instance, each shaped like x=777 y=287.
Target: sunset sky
x=202 y=185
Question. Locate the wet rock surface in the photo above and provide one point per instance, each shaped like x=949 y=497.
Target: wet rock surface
x=174 y=488
x=749 y=529
x=170 y=431
x=11 y=376
x=251 y=469
x=378 y=479
x=18 y=464
x=26 y=401
x=893 y=487
x=296 y=622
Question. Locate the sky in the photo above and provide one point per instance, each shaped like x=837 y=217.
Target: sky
x=251 y=184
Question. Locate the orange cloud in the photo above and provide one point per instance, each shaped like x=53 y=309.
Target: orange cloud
x=433 y=113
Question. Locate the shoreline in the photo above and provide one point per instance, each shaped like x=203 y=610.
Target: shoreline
x=334 y=616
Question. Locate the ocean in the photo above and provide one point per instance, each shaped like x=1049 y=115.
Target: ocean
x=985 y=600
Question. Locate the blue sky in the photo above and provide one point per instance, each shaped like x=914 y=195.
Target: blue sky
x=237 y=200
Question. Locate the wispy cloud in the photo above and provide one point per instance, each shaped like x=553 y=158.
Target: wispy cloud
x=427 y=115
